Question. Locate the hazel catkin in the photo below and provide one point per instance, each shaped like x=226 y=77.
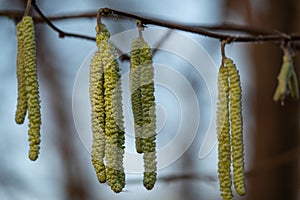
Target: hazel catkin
x=98 y=115
x=293 y=84
x=149 y=116
x=284 y=77
x=22 y=96
x=223 y=132
x=136 y=94
x=236 y=122
x=114 y=125
x=143 y=107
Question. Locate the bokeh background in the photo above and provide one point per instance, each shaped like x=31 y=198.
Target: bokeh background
x=64 y=169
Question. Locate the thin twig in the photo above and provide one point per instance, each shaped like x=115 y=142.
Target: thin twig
x=92 y=14
x=61 y=33
x=16 y=14
x=255 y=34
x=202 y=31
x=237 y=28
x=258 y=34
x=161 y=41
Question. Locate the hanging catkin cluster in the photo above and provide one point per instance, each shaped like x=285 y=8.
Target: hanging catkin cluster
x=143 y=107
x=107 y=115
x=230 y=130
x=28 y=92
x=287 y=79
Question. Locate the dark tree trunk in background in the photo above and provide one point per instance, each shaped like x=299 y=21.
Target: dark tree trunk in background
x=277 y=127
x=275 y=164
x=75 y=183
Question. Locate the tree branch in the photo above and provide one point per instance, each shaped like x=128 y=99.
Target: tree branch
x=204 y=31
x=213 y=31
x=254 y=34
x=61 y=33
x=16 y=14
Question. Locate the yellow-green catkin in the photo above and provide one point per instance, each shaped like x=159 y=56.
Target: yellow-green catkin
x=98 y=113
x=98 y=107
x=102 y=35
x=293 y=85
x=32 y=91
x=223 y=131
x=22 y=98
x=114 y=125
x=284 y=77
x=236 y=121
x=136 y=94
x=148 y=117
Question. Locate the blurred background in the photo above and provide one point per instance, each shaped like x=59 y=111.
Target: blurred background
x=64 y=170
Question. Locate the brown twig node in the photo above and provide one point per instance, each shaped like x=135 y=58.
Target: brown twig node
x=223 y=44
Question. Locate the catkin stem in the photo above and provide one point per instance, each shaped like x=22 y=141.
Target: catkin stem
x=28 y=6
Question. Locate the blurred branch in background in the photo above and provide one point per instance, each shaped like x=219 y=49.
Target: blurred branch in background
x=12 y=184
x=274 y=162
x=171 y=178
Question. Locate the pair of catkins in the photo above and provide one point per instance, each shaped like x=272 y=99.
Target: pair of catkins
x=28 y=92
x=230 y=130
x=107 y=116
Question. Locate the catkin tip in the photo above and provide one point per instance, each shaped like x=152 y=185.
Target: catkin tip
x=33 y=155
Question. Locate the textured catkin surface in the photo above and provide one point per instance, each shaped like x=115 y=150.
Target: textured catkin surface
x=143 y=107
x=102 y=35
x=114 y=125
x=31 y=82
x=136 y=93
x=236 y=121
x=148 y=117
x=22 y=96
x=223 y=131
x=98 y=115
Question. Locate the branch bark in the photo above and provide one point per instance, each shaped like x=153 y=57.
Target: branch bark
x=253 y=34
